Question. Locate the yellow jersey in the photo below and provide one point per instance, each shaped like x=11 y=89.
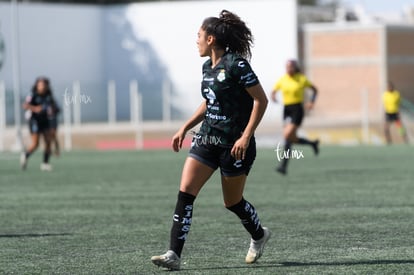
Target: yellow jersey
x=293 y=88
x=391 y=100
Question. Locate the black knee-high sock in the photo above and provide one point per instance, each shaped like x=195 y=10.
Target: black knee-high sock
x=285 y=160
x=27 y=154
x=249 y=218
x=46 y=156
x=305 y=141
x=181 y=222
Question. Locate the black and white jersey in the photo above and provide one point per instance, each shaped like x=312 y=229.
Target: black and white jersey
x=229 y=106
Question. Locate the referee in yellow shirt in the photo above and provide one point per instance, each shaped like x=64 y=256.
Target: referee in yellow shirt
x=293 y=85
x=391 y=99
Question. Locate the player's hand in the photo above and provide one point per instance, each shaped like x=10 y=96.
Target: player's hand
x=36 y=109
x=273 y=96
x=177 y=140
x=240 y=147
x=309 y=106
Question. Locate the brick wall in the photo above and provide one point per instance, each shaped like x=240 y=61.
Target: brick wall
x=400 y=59
x=345 y=44
x=341 y=89
x=342 y=63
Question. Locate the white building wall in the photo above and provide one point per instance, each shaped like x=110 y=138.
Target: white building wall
x=146 y=41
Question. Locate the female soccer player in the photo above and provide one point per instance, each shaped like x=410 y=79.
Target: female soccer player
x=39 y=104
x=234 y=103
x=391 y=99
x=293 y=85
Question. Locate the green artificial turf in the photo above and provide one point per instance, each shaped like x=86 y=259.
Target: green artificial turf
x=348 y=211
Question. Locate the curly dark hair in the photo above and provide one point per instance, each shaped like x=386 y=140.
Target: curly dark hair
x=46 y=81
x=48 y=91
x=230 y=32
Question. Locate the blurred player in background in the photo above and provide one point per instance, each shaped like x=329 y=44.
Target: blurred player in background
x=234 y=103
x=293 y=85
x=39 y=103
x=392 y=99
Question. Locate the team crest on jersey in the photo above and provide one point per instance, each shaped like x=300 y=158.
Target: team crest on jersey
x=222 y=75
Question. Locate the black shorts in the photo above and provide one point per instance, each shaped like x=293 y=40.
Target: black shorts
x=53 y=123
x=293 y=114
x=392 y=117
x=215 y=157
x=38 y=126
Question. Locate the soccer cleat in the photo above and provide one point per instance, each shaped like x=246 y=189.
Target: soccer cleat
x=315 y=147
x=168 y=260
x=23 y=161
x=256 y=247
x=281 y=170
x=46 y=167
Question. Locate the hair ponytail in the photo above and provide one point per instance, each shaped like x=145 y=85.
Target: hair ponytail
x=231 y=33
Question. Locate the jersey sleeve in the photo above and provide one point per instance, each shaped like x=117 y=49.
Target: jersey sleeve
x=306 y=82
x=31 y=99
x=243 y=73
x=28 y=99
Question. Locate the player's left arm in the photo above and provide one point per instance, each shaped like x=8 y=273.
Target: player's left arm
x=311 y=103
x=259 y=107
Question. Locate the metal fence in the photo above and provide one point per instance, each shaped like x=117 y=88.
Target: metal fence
x=83 y=103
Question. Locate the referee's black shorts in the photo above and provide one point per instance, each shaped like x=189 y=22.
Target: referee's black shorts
x=216 y=156
x=294 y=114
x=392 y=117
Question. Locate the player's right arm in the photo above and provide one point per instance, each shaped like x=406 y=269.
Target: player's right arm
x=34 y=109
x=196 y=118
x=28 y=105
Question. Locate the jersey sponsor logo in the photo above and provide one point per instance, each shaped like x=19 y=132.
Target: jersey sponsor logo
x=241 y=64
x=209 y=79
x=213 y=108
x=211 y=95
x=216 y=117
x=221 y=76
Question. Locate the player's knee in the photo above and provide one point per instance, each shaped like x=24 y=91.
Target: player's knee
x=288 y=135
x=35 y=144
